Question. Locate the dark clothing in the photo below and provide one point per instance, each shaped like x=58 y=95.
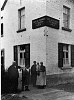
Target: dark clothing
x=13 y=72
x=33 y=75
x=13 y=85
x=13 y=78
x=42 y=68
x=2 y=78
x=25 y=78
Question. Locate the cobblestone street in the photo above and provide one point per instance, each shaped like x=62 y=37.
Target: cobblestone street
x=60 y=92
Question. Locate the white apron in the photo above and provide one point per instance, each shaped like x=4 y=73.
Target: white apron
x=41 y=79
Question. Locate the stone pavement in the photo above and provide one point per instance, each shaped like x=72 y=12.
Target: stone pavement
x=60 y=92
x=48 y=94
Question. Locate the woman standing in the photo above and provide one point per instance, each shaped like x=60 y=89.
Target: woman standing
x=41 y=77
x=25 y=78
x=38 y=74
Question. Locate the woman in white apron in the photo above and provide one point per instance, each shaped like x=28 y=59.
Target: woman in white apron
x=41 y=76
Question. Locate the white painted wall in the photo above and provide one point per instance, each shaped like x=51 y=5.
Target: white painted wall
x=54 y=9
x=36 y=37
x=38 y=46
x=43 y=48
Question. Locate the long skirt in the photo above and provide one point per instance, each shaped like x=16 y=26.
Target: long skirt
x=34 y=79
x=41 y=79
x=20 y=81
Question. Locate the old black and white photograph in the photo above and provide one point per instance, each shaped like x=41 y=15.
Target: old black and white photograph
x=37 y=49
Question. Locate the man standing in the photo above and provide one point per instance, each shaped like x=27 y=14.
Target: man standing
x=13 y=77
x=34 y=74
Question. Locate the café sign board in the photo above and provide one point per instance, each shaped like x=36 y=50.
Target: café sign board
x=45 y=21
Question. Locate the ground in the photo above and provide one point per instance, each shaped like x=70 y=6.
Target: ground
x=59 y=92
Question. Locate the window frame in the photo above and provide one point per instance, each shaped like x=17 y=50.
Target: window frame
x=20 y=29
x=67 y=16
x=61 y=64
x=68 y=19
x=2 y=31
x=3 y=56
x=65 y=51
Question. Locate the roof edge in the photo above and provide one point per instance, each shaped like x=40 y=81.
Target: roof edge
x=2 y=8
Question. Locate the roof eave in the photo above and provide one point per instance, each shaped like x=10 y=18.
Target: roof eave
x=2 y=8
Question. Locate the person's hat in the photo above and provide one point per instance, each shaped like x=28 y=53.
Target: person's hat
x=34 y=61
x=41 y=62
x=13 y=62
x=37 y=62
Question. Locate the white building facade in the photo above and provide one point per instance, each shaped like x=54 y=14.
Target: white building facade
x=38 y=30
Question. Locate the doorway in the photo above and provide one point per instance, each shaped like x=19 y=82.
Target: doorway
x=22 y=54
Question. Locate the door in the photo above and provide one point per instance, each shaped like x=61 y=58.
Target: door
x=21 y=55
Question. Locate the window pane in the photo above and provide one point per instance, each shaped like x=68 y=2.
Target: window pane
x=66 y=54
x=66 y=24
x=24 y=54
x=2 y=29
x=64 y=47
x=20 y=61
x=20 y=55
x=67 y=61
x=63 y=55
x=22 y=22
x=66 y=20
x=22 y=47
x=64 y=10
x=23 y=61
x=22 y=12
x=66 y=16
x=67 y=47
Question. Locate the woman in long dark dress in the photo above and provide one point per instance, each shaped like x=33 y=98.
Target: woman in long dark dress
x=25 y=78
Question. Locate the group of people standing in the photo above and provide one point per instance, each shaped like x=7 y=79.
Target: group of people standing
x=37 y=73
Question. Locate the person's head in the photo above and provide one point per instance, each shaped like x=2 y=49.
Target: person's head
x=27 y=66
x=37 y=63
x=41 y=63
x=34 y=62
x=14 y=63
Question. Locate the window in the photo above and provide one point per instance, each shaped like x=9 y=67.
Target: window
x=66 y=17
x=65 y=55
x=2 y=57
x=22 y=55
x=1 y=29
x=21 y=14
